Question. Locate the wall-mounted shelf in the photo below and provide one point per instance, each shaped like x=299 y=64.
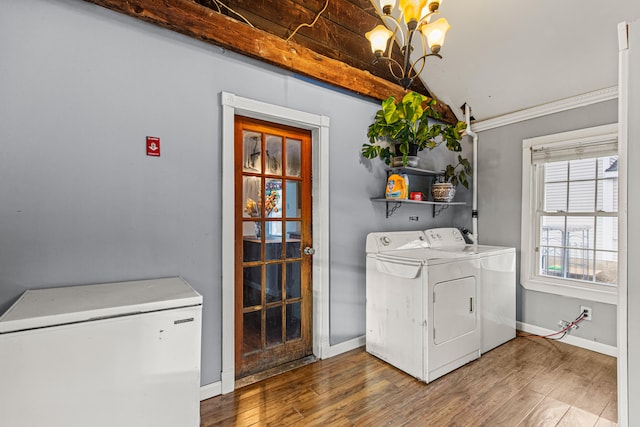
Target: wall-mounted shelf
x=414 y=171
x=396 y=203
x=393 y=204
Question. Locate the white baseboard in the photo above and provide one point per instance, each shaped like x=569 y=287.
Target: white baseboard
x=570 y=339
x=343 y=347
x=210 y=390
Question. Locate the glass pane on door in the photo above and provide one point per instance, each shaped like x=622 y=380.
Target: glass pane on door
x=251 y=324
x=274 y=155
x=273 y=283
x=294 y=199
x=273 y=198
x=274 y=326
x=293 y=280
x=251 y=197
x=251 y=243
x=294 y=244
x=293 y=157
x=293 y=321
x=252 y=286
x=251 y=152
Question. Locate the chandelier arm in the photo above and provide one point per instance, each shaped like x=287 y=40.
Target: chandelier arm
x=393 y=62
x=412 y=73
x=425 y=19
x=397 y=28
x=406 y=69
x=424 y=57
x=390 y=63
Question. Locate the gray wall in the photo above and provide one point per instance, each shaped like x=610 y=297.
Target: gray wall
x=499 y=207
x=633 y=232
x=81 y=203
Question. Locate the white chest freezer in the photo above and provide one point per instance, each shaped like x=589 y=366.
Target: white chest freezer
x=117 y=354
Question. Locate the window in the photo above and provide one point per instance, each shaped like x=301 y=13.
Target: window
x=570 y=214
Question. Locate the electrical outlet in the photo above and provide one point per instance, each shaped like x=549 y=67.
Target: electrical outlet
x=564 y=324
x=588 y=315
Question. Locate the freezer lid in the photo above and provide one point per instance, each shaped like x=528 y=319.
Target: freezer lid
x=38 y=308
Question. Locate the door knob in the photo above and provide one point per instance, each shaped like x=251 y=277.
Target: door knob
x=309 y=250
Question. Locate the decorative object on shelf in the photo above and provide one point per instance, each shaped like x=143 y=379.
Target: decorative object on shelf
x=414 y=16
x=399 y=128
x=417 y=195
x=397 y=186
x=443 y=191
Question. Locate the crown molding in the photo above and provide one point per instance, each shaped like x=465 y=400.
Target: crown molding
x=546 y=109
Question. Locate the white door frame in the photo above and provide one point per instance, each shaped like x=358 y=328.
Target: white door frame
x=233 y=105
x=623 y=177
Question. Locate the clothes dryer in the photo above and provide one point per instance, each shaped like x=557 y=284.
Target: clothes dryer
x=497 y=282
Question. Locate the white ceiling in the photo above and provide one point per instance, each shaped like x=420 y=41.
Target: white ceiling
x=502 y=56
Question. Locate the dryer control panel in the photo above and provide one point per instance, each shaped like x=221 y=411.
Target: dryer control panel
x=443 y=237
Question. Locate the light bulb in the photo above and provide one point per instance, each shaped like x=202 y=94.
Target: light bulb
x=378 y=38
x=387 y=5
x=435 y=33
x=411 y=9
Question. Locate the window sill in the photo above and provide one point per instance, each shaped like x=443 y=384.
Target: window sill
x=566 y=289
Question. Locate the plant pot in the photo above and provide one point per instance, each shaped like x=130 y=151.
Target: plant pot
x=412 y=161
x=412 y=157
x=443 y=192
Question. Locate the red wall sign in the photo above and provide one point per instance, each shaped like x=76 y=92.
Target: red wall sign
x=153 y=146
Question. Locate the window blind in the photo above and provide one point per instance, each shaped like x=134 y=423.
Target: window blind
x=574 y=151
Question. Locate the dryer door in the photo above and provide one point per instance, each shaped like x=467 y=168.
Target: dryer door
x=454 y=309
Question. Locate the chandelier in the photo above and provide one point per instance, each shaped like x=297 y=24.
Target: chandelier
x=414 y=16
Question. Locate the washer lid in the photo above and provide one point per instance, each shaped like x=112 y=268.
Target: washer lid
x=422 y=256
x=39 y=308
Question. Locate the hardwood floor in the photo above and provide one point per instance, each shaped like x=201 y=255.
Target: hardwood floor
x=525 y=382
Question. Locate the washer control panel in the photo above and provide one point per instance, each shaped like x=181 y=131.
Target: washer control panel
x=395 y=240
x=441 y=237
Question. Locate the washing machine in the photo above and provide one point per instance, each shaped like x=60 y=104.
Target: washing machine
x=497 y=283
x=422 y=305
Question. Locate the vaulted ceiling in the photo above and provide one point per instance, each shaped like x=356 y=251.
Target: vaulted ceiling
x=500 y=55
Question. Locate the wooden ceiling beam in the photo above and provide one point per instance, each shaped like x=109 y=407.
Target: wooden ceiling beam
x=194 y=20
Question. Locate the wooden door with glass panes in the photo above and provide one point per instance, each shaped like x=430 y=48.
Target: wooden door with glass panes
x=273 y=228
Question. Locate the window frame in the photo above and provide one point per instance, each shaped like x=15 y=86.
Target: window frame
x=530 y=229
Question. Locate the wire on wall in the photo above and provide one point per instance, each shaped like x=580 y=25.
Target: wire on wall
x=218 y=3
x=312 y=23
x=564 y=331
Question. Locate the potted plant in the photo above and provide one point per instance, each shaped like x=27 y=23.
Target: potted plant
x=401 y=129
x=444 y=189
